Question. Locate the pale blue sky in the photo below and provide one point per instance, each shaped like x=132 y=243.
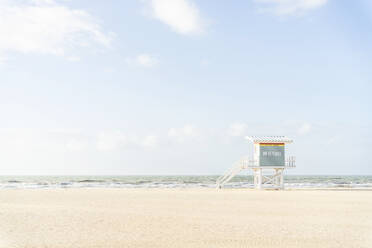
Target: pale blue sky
x=173 y=86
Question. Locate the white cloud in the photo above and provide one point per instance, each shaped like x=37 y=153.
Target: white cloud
x=3 y=60
x=72 y=140
x=73 y=58
x=116 y=140
x=145 y=60
x=75 y=145
x=304 y=129
x=42 y=1
x=204 y=150
x=109 y=69
x=183 y=134
x=332 y=140
x=108 y=141
x=183 y=16
x=150 y=141
x=204 y=62
x=237 y=129
x=47 y=27
x=290 y=7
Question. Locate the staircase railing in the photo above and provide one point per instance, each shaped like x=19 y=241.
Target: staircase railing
x=290 y=162
x=246 y=163
x=242 y=164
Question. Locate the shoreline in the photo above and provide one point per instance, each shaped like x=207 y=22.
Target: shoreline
x=187 y=188
x=202 y=181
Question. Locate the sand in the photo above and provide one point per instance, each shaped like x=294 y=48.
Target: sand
x=112 y=218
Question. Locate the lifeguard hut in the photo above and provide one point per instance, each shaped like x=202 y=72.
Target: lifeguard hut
x=267 y=161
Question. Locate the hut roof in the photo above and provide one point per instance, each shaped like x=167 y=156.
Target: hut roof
x=269 y=139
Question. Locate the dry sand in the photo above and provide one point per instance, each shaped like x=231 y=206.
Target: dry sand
x=210 y=218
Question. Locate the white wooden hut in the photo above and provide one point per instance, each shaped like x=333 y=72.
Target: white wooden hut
x=267 y=162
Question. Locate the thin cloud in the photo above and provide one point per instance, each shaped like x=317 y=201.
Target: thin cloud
x=183 y=134
x=144 y=60
x=304 y=128
x=289 y=7
x=182 y=16
x=3 y=60
x=74 y=59
x=47 y=27
x=75 y=145
x=112 y=140
x=150 y=141
x=237 y=129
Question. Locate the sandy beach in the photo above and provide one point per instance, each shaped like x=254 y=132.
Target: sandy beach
x=63 y=218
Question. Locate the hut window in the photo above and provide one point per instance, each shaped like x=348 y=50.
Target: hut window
x=274 y=154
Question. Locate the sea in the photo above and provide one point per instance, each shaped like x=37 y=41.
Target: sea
x=174 y=181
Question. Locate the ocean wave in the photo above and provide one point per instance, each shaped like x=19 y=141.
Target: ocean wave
x=91 y=181
x=32 y=182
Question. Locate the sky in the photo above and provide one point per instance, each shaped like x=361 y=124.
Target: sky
x=173 y=86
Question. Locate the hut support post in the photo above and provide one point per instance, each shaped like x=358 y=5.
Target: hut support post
x=281 y=181
x=279 y=178
x=275 y=179
x=258 y=178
